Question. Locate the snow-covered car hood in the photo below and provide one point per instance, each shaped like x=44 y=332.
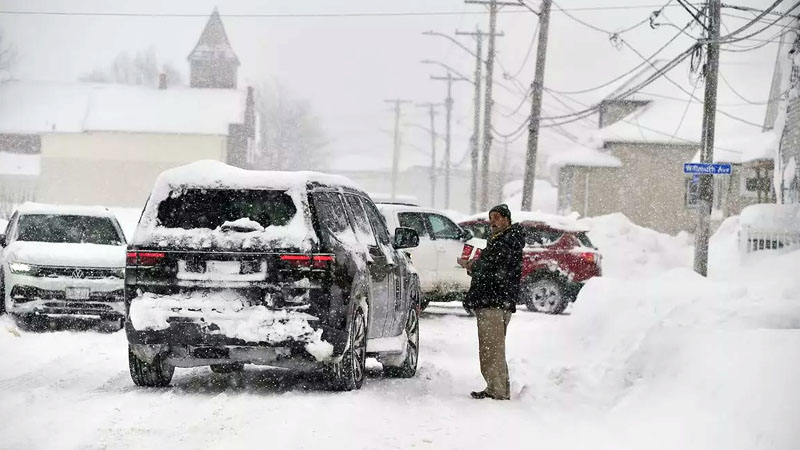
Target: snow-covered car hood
x=66 y=255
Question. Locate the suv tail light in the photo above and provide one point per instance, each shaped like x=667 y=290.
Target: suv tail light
x=309 y=261
x=589 y=257
x=144 y=259
x=466 y=251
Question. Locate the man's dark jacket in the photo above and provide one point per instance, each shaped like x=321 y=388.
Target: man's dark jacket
x=496 y=274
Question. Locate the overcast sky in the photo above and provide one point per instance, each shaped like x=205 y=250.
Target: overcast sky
x=347 y=66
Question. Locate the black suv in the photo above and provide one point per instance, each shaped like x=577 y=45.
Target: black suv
x=293 y=270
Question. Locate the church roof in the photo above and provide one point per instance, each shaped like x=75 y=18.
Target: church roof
x=213 y=43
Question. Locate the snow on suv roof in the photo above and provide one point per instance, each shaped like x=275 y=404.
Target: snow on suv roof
x=218 y=175
x=64 y=210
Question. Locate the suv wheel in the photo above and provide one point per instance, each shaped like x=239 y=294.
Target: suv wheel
x=227 y=368
x=348 y=374
x=409 y=367
x=157 y=374
x=546 y=295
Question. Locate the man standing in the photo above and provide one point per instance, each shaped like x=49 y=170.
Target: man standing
x=493 y=296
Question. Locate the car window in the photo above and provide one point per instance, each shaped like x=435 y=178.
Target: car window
x=68 y=229
x=363 y=228
x=537 y=237
x=416 y=222
x=444 y=228
x=378 y=223
x=211 y=208
x=330 y=210
x=479 y=230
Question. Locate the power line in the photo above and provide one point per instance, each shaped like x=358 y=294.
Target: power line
x=731 y=37
x=305 y=15
x=627 y=73
x=691 y=94
x=527 y=56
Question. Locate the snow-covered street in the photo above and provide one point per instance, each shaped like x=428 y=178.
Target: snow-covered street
x=651 y=356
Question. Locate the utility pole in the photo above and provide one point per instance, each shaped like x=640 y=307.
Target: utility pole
x=494 y=6
x=476 y=131
x=706 y=194
x=536 y=108
x=448 y=105
x=432 y=112
x=396 y=154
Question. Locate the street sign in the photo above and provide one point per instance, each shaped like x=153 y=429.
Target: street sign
x=709 y=169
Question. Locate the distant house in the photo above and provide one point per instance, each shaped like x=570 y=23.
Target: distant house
x=91 y=143
x=633 y=162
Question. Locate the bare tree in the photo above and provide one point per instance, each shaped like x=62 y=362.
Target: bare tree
x=291 y=136
x=143 y=68
x=7 y=57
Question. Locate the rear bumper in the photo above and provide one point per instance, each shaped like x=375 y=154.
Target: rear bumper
x=196 y=334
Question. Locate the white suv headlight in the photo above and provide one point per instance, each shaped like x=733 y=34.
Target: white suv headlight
x=21 y=268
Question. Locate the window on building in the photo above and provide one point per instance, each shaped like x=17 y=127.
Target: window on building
x=692 y=193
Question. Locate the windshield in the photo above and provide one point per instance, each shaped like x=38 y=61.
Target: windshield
x=211 y=208
x=68 y=229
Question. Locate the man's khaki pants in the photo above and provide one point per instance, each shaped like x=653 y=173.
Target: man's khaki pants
x=492 y=326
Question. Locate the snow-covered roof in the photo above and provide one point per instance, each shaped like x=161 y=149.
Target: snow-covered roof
x=64 y=210
x=745 y=148
x=566 y=223
x=215 y=174
x=34 y=107
x=771 y=218
x=582 y=156
x=671 y=117
x=20 y=164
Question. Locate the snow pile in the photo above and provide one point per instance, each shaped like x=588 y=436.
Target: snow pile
x=716 y=360
x=771 y=218
x=629 y=249
x=229 y=314
x=545 y=198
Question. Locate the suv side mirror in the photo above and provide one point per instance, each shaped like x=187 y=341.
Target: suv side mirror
x=405 y=238
x=466 y=235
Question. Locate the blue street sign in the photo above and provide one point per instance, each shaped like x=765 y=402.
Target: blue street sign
x=709 y=169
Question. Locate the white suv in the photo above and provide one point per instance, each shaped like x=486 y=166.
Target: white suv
x=441 y=243
x=61 y=262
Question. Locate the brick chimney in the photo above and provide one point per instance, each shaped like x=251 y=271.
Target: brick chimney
x=162 y=81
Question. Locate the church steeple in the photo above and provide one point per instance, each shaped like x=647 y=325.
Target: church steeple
x=212 y=63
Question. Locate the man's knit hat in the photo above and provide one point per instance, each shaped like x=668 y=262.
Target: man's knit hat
x=502 y=210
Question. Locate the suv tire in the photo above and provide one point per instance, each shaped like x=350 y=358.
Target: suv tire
x=227 y=368
x=546 y=295
x=157 y=374
x=349 y=373
x=409 y=366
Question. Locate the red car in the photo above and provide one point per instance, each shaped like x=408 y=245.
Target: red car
x=558 y=259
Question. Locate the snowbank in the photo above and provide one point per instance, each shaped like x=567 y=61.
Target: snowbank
x=771 y=218
x=629 y=249
x=229 y=314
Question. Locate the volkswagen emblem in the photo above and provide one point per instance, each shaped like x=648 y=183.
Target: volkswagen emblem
x=78 y=273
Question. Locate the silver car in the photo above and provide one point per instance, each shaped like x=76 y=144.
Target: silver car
x=63 y=263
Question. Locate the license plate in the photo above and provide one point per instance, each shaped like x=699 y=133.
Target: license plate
x=77 y=293
x=224 y=267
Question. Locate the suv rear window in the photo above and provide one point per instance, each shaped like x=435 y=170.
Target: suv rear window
x=210 y=208
x=68 y=229
x=537 y=237
x=584 y=238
